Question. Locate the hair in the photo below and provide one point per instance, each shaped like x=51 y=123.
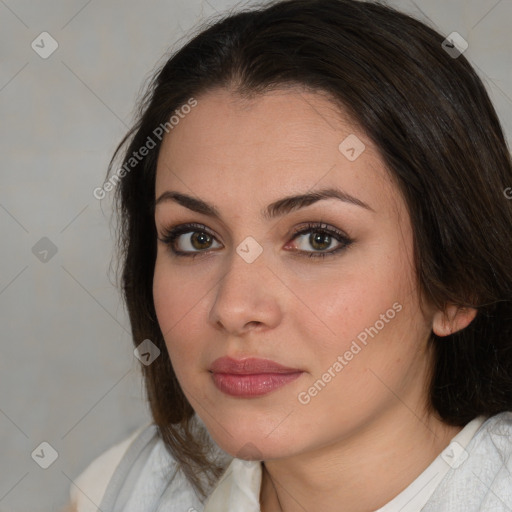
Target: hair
x=432 y=121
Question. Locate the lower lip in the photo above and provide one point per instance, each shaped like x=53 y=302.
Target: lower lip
x=247 y=386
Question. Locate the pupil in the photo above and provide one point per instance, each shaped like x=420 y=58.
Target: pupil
x=201 y=238
x=320 y=239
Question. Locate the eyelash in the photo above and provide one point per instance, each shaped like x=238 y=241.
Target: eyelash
x=171 y=234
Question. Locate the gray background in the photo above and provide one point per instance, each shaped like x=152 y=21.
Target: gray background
x=67 y=371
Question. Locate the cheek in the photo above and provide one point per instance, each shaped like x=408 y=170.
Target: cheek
x=178 y=294
x=182 y=297
x=356 y=300
x=176 y=304
x=372 y=315
x=166 y=305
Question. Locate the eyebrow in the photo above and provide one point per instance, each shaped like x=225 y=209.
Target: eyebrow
x=276 y=209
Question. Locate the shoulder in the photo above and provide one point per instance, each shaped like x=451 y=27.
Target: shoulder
x=500 y=423
x=496 y=435
x=139 y=473
x=481 y=477
x=87 y=490
x=494 y=438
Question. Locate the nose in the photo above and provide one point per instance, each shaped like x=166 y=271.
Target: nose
x=247 y=297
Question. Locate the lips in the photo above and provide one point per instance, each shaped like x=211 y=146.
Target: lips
x=249 y=366
x=252 y=377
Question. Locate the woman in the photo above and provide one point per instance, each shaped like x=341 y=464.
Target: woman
x=316 y=260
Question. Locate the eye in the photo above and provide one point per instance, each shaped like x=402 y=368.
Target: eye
x=321 y=237
x=191 y=240
x=197 y=239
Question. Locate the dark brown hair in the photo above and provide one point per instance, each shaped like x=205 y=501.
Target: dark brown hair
x=430 y=118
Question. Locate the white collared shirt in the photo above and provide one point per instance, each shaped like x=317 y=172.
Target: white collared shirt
x=239 y=488
x=472 y=474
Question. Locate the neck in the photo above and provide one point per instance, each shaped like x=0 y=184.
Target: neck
x=363 y=471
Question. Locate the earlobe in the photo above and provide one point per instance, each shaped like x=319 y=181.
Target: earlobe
x=452 y=319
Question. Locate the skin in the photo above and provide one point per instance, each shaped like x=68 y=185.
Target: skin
x=369 y=423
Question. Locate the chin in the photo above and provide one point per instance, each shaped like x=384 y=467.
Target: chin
x=246 y=439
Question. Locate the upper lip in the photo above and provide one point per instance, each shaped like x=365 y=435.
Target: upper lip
x=249 y=366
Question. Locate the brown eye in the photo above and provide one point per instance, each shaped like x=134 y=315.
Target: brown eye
x=320 y=238
x=200 y=240
x=189 y=240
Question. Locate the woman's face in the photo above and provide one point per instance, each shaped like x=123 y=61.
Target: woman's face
x=348 y=324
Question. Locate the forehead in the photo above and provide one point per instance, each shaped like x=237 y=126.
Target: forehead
x=283 y=141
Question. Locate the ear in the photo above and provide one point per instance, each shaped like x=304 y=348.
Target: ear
x=452 y=319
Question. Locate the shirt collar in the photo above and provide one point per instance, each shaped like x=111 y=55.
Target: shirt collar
x=239 y=486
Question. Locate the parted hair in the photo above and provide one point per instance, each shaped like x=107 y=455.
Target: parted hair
x=433 y=124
